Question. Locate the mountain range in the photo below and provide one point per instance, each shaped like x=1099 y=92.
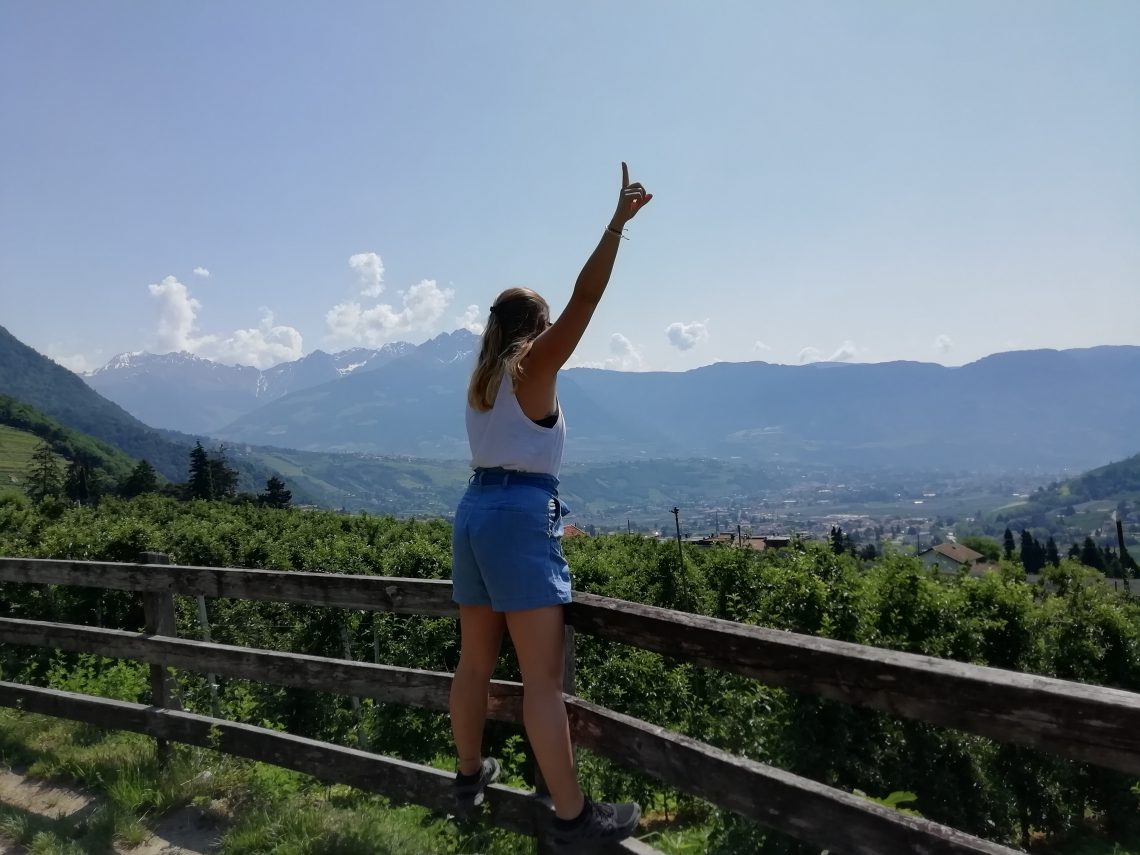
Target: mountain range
x=1048 y=409
x=184 y=392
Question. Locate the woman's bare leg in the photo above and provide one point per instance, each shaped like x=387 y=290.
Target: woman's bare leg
x=481 y=635
x=538 y=638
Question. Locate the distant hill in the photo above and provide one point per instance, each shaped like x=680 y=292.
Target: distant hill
x=67 y=443
x=1048 y=409
x=33 y=379
x=187 y=393
x=1116 y=481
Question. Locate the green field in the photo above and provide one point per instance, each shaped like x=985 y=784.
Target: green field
x=16 y=447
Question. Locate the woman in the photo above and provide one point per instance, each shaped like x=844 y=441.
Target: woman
x=507 y=563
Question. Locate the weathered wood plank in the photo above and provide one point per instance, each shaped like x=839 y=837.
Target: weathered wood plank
x=509 y=808
x=715 y=775
x=160 y=619
x=410 y=686
x=814 y=813
x=1082 y=722
x=1094 y=724
x=382 y=593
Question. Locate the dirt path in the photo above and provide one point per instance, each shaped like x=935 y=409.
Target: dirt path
x=186 y=831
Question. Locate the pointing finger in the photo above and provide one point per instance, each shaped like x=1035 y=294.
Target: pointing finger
x=624 y=175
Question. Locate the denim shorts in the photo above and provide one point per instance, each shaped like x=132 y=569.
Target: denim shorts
x=506 y=544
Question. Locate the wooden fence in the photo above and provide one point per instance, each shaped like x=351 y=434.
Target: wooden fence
x=1086 y=723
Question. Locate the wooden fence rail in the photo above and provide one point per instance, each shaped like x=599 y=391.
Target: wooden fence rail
x=1088 y=723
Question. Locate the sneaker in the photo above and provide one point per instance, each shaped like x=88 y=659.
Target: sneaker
x=469 y=793
x=600 y=821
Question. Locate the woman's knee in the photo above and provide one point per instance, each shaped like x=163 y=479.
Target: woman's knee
x=475 y=666
x=542 y=687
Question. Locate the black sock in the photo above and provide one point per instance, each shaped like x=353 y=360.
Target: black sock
x=460 y=778
x=567 y=824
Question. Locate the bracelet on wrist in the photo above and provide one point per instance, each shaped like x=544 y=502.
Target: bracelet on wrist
x=613 y=230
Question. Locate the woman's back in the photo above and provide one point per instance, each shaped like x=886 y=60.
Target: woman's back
x=503 y=437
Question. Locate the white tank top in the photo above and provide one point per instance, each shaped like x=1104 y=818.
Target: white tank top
x=504 y=437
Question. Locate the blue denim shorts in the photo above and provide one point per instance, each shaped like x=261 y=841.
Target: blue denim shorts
x=506 y=544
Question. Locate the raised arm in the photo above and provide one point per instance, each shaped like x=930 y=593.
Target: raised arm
x=554 y=347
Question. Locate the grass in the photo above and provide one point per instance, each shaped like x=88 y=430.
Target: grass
x=261 y=808
x=266 y=809
x=16 y=447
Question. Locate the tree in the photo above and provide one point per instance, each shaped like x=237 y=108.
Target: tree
x=225 y=478
x=143 y=479
x=275 y=495
x=1052 y=556
x=1032 y=555
x=987 y=546
x=80 y=484
x=201 y=482
x=838 y=540
x=1008 y=544
x=1090 y=555
x=44 y=476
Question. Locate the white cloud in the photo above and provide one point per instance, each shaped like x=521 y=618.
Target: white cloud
x=423 y=305
x=265 y=345
x=623 y=355
x=177 y=315
x=761 y=346
x=943 y=344
x=77 y=362
x=685 y=336
x=369 y=268
x=844 y=353
x=470 y=320
x=262 y=346
x=202 y=271
x=809 y=354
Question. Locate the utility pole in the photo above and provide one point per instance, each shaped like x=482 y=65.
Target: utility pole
x=677 y=520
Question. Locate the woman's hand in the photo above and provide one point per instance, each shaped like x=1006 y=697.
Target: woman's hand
x=633 y=198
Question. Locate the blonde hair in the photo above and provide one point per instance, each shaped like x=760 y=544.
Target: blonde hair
x=518 y=317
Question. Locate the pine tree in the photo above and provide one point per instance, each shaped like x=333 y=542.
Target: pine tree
x=1091 y=555
x=1052 y=556
x=1008 y=544
x=143 y=479
x=44 y=475
x=275 y=495
x=224 y=478
x=836 y=537
x=1112 y=566
x=1032 y=555
x=79 y=485
x=200 y=484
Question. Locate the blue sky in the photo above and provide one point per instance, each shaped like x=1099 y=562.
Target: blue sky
x=866 y=181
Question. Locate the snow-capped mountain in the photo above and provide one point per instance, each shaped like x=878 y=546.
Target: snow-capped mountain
x=182 y=391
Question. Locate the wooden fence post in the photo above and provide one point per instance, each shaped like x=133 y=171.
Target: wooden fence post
x=158 y=617
x=569 y=678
